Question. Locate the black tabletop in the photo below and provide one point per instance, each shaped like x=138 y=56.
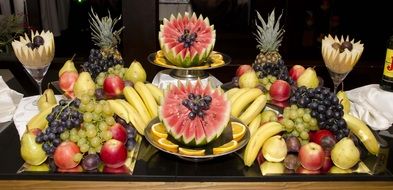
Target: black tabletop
x=154 y=165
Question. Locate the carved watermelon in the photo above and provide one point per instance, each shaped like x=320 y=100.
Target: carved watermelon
x=187 y=41
x=194 y=114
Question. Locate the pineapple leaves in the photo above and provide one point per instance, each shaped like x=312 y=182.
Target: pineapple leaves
x=102 y=30
x=268 y=34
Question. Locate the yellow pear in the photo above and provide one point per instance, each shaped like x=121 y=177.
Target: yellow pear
x=135 y=73
x=31 y=152
x=272 y=168
x=337 y=170
x=345 y=154
x=40 y=168
x=46 y=100
x=343 y=99
x=84 y=85
x=248 y=80
x=69 y=65
x=308 y=78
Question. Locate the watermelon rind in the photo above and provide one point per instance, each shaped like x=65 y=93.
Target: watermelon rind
x=174 y=51
x=200 y=130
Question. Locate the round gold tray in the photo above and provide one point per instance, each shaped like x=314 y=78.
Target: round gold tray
x=190 y=72
x=225 y=137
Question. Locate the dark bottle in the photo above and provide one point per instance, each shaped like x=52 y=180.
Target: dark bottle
x=387 y=77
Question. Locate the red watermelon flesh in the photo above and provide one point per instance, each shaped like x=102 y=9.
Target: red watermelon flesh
x=200 y=128
x=186 y=40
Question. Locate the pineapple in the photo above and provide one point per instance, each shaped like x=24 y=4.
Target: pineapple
x=269 y=36
x=104 y=36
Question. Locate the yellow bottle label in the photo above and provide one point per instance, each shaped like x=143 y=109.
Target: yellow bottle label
x=388 y=69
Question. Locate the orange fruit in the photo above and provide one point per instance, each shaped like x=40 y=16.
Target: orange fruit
x=159 y=130
x=167 y=145
x=238 y=131
x=161 y=61
x=225 y=147
x=192 y=152
x=160 y=54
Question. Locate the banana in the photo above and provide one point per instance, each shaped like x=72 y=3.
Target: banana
x=147 y=98
x=254 y=109
x=134 y=116
x=256 y=141
x=135 y=100
x=157 y=93
x=237 y=94
x=39 y=120
x=119 y=110
x=231 y=92
x=360 y=129
x=255 y=123
x=244 y=100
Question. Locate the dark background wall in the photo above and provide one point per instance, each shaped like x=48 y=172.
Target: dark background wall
x=305 y=22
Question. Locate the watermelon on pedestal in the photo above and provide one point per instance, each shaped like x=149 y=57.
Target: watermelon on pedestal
x=186 y=40
x=194 y=114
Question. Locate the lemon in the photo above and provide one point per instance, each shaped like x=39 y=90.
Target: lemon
x=192 y=152
x=225 y=147
x=238 y=131
x=168 y=145
x=159 y=130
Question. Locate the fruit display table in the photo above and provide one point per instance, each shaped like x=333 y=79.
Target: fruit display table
x=160 y=170
x=112 y=127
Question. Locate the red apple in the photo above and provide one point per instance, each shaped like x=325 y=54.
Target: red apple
x=311 y=156
x=70 y=94
x=118 y=132
x=243 y=69
x=120 y=170
x=76 y=169
x=113 y=153
x=296 y=71
x=280 y=90
x=323 y=137
x=64 y=155
x=279 y=104
x=113 y=86
x=302 y=170
x=67 y=80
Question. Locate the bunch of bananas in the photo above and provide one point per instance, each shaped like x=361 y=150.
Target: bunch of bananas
x=141 y=105
x=246 y=103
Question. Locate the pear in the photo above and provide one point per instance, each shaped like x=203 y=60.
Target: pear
x=40 y=168
x=84 y=85
x=343 y=99
x=337 y=170
x=308 y=78
x=274 y=149
x=135 y=73
x=248 y=80
x=345 y=154
x=31 y=152
x=46 y=100
x=272 y=168
x=69 y=65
